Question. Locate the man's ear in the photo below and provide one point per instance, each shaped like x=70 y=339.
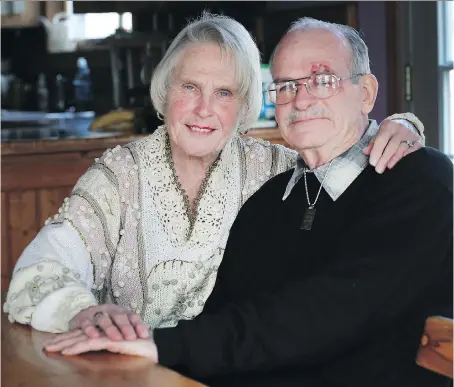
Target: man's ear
x=369 y=85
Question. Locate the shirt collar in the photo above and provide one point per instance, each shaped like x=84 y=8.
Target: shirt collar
x=344 y=170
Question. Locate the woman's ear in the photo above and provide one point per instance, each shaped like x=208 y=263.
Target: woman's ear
x=369 y=85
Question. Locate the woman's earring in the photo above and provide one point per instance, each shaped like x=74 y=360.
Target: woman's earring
x=159 y=116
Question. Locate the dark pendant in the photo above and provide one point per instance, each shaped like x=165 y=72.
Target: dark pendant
x=308 y=218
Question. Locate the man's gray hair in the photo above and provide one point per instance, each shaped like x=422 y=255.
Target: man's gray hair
x=360 y=53
x=232 y=38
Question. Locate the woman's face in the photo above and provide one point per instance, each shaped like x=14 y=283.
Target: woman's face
x=203 y=107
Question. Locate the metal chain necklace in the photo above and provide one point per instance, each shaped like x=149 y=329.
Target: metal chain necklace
x=309 y=214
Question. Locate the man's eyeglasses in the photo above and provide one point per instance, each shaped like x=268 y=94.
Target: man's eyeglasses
x=319 y=85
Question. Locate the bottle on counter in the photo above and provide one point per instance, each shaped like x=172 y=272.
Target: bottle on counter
x=60 y=100
x=83 y=96
x=42 y=93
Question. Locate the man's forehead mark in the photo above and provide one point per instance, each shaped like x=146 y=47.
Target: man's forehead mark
x=320 y=68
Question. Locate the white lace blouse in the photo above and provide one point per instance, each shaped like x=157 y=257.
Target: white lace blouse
x=126 y=235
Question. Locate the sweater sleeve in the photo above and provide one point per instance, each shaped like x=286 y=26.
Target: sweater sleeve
x=289 y=326
x=54 y=268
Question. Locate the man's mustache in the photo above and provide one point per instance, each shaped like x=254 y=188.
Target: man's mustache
x=313 y=112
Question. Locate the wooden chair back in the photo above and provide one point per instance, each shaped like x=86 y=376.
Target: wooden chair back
x=436 y=351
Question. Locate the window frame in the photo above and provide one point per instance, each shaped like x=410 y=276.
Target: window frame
x=445 y=16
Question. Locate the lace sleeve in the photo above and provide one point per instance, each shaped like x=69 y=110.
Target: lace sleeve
x=95 y=211
x=263 y=161
x=283 y=159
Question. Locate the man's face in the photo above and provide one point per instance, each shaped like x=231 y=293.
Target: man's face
x=309 y=122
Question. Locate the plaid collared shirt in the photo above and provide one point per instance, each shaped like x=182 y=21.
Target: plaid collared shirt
x=344 y=169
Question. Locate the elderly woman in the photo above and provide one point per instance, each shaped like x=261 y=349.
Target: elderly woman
x=139 y=241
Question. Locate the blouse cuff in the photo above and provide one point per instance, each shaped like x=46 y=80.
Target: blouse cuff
x=49 y=289
x=54 y=313
x=411 y=118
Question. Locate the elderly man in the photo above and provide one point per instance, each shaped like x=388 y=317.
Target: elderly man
x=304 y=295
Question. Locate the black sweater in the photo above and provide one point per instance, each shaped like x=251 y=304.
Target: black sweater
x=341 y=305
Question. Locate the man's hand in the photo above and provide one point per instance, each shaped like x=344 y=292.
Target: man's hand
x=116 y=322
x=77 y=342
x=390 y=144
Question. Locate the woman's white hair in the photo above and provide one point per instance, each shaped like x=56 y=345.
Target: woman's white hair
x=231 y=37
x=360 y=63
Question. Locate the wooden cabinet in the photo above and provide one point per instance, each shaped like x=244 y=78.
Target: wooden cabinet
x=20 y=13
x=37 y=176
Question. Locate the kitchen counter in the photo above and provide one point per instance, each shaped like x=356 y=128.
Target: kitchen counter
x=50 y=133
x=18 y=126
x=64 y=145
x=37 y=133
x=28 y=133
x=102 y=141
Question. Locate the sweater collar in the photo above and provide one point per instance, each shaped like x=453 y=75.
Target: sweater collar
x=344 y=169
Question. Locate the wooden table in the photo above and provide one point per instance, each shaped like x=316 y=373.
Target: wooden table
x=25 y=364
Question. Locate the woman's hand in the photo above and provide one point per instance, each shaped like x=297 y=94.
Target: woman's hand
x=116 y=322
x=391 y=143
x=77 y=342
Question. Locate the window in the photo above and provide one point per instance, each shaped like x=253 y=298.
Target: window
x=85 y=26
x=101 y=25
x=12 y=7
x=446 y=74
